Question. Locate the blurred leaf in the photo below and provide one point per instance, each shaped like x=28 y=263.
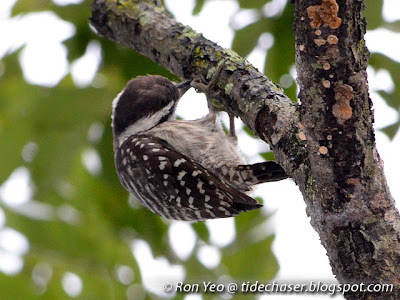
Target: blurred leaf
x=70 y=248
x=19 y=287
x=373 y=13
x=246 y=39
x=394 y=26
x=197 y=272
x=259 y=199
x=280 y=58
x=110 y=203
x=97 y=282
x=198 y=7
x=105 y=149
x=391 y=130
x=202 y=231
x=78 y=43
x=393 y=99
x=72 y=242
x=252 y=262
x=249 y=132
x=268 y=156
x=248 y=4
x=244 y=223
x=281 y=55
x=62 y=135
x=14 y=131
x=380 y=61
x=24 y=6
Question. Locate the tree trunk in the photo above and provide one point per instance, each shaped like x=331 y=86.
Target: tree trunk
x=326 y=144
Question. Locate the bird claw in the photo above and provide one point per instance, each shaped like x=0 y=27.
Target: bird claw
x=200 y=84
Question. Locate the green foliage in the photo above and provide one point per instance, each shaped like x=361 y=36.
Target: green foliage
x=280 y=57
x=268 y=155
x=252 y=4
x=373 y=13
x=250 y=34
x=198 y=7
x=241 y=267
x=380 y=61
x=80 y=221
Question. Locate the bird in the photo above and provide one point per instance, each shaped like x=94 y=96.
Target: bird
x=187 y=170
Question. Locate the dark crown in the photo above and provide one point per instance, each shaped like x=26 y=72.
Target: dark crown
x=142 y=97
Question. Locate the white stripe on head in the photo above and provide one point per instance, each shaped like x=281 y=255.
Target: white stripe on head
x=146 y=123
x=115 y=102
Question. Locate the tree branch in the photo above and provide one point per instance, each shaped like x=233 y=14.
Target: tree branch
x=245 y=92
x=326 y=144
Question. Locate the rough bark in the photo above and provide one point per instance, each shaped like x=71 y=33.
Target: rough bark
x=326 y=144
x=350 y=203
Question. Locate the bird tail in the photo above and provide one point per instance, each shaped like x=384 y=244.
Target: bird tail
x=245 y=176
x=262 y=172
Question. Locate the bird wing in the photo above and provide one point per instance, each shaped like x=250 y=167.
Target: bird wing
x=174 y=185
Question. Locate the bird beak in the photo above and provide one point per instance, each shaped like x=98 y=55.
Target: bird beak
x=183 y=87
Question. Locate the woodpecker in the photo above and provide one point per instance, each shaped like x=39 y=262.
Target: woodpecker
x=179 y=169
